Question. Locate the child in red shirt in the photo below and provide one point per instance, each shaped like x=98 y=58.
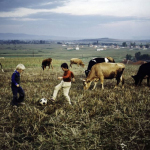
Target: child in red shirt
x=65 y=83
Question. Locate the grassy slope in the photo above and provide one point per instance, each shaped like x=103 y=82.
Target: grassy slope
x=96 y=120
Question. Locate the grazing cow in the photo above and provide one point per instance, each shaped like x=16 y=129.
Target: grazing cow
x=76 y=61
x=47 y=62
x=144 y=71
x=1 y=67
x=97 y=60
x=2 y=57
x=140 y=62
x=103 y=71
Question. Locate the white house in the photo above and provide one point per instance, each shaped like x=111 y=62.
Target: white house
x=100 y=49
x=77 y=48
x=69 y=48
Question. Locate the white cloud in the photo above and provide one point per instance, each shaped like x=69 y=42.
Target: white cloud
x=122 y=29
x=22 y=12
x=106 y=7
x=120 y=8
x=25 y=19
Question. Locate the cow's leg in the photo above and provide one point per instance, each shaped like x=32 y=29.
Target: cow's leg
x=118 y=81
x=95 y=83
x=71 y=65
x=51 y=66
x=140 y=81
x=148 y=80
x=102 y=82
x=122 y=80
x=44 y=68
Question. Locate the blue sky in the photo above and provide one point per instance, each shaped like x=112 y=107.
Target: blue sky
x=121 y=19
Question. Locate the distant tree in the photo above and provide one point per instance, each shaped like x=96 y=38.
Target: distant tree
x=94 y=43
x=59 y=43
x=145 y=57
x=141 y=45
x=133 y=44
x=147 y=45
x=137 y=55
x=124 y=44
x=128 y=57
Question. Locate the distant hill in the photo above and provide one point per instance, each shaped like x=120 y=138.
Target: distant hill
x=103 y=40
x=21 y=36
x=110 y=40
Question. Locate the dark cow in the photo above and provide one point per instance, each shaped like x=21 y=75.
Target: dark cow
x=97 y=60
x=144 y=71
x=47 y=62
x=1 y=67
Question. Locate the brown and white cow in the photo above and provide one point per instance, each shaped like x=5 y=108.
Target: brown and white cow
x=96 y=60
x=103 y=71
x=47 y=62
x=76 y=61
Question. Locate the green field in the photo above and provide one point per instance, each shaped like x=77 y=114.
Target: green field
x=57 y=51
x=97 y=120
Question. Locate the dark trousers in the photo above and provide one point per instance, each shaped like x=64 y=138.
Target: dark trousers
x=15 y=91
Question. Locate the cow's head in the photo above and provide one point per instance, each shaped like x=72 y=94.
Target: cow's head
x=86 y=84
x=82 y=65
x=110 y=59
x=136 y=79
x=87 y=72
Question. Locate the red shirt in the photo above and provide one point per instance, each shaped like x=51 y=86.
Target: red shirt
x=67 y=76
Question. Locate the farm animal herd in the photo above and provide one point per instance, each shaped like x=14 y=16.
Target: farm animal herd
x=105 y=68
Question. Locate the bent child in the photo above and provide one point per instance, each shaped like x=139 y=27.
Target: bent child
x=15 y=86
x=65 y=84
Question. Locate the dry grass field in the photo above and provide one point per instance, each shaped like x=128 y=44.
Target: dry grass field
x=112 y=119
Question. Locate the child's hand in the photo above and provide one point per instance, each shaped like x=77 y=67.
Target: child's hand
x=17 y=85
x=59 y=78
x=73 y=79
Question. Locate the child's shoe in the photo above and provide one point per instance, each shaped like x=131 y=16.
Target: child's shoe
x=52 y=100
x=22 y=103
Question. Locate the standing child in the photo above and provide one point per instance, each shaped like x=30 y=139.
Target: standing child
x=65 y=83
x=15 y=86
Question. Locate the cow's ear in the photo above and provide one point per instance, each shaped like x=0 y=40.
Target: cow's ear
x=82 y=79
x=88 y=81
x=133 y=77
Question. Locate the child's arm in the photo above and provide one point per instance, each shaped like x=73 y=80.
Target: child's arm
x=73 y=79
x=59 y=78
x=13 y=80
x=72 y=75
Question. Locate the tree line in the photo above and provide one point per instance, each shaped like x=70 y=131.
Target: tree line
x=124 y=44
x=138 y=56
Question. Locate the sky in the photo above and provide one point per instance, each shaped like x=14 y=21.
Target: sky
x=118 y=19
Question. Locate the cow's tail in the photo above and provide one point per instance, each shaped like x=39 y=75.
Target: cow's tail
x=51 y=66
